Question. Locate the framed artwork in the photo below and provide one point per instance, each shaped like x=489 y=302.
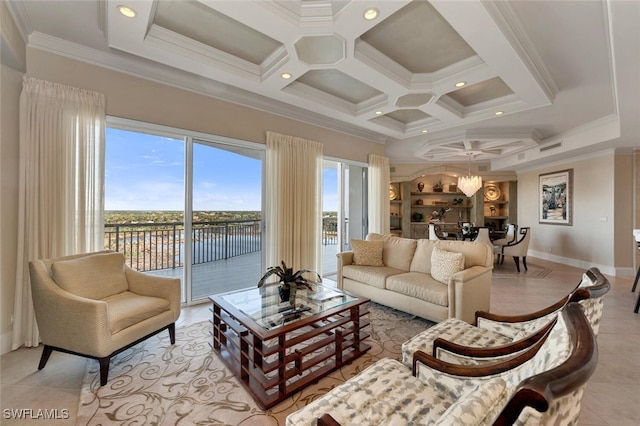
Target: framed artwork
x=556 y=198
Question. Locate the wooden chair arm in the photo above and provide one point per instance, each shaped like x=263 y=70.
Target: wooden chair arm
x=523 y=317
x=476 y=370
x=327 y=420
x=494 y=351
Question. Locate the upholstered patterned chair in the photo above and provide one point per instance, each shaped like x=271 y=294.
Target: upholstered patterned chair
x=550 y=373
x=492 y=331
x=95 y=306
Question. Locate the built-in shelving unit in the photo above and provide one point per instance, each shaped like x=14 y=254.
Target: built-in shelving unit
x=411 y=209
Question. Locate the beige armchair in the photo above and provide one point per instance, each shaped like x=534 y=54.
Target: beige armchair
x=95 y=306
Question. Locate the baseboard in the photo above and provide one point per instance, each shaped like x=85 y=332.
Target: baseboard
x=5 y=343
x=576 y=263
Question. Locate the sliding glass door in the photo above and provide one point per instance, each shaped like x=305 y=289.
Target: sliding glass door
x=155 y=177
x=344 y=210
x=226 y=218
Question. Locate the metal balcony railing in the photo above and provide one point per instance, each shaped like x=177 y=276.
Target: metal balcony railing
x=154 y=246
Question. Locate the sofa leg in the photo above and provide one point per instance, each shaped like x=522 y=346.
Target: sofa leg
x=517 y=260
x=524 y=262
x=104 y=369
x=46 y=353
x=172 y=332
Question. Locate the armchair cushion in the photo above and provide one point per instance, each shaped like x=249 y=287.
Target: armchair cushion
x=478 y=406
x=93 y=277
x=367 y=253
x=127 y=308
x=445 y=263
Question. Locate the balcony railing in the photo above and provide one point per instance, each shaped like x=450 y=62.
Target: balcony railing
x=154 y=246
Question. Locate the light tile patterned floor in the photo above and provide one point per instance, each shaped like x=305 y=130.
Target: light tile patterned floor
x=611 y=397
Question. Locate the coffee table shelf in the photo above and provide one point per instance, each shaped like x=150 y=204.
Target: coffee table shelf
x=275 y=355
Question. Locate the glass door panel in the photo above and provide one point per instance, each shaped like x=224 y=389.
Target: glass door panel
x=226 y=218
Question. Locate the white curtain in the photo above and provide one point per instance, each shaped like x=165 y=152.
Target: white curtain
x=61 y=187
x=379 y=179
x=293 y=202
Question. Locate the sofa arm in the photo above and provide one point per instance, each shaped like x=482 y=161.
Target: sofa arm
x=344 y=258
x=470 y=291
x=152 y=285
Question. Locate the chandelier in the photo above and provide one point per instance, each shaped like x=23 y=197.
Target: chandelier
x=469 y=184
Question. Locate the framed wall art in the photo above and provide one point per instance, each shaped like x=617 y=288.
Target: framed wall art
x=556 y=198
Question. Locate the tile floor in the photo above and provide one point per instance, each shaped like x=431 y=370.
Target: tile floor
x=612 y=396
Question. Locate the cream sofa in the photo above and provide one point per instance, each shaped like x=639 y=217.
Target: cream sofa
x=404 y=280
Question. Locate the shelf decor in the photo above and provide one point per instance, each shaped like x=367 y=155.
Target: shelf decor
x=556 y=198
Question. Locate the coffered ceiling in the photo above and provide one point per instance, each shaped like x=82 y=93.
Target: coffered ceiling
x=433 y=80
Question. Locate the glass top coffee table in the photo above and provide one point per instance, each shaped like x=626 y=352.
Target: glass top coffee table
x=277 y=348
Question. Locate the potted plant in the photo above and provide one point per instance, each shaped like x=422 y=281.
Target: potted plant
x=438 y=186
x=289 y=280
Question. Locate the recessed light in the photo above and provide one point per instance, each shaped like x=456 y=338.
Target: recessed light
x=370 y=14
x=461 y=83
x=424 y=130
x=285 y=75
x=378 y=112
x=498 y=112
x=127 y=11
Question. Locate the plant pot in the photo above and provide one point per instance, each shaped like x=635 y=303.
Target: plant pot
x=284 y=292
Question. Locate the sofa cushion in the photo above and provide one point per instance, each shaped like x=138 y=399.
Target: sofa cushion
x=374 y=276
x=367 y=253
x=477 y=406
x=421 y=261
x=127 y=308
x=421 y=286
x=94 y=277
x=398 y=252
x=445 y=263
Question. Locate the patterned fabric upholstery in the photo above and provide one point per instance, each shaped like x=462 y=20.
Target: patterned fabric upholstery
x=445 y=263
x=554 y=351
x=387 y=394
x=562 y=411
x=453 y=330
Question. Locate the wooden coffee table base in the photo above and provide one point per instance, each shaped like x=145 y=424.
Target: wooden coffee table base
x=274 y=364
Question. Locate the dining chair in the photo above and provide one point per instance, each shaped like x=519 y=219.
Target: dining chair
x=518 y=249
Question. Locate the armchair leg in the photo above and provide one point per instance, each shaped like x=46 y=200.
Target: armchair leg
x=104 y=369
x=172 y=332
x=46 y=353
x=517 y=260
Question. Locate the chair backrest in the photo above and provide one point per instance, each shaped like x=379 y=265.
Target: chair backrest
x=521 y=246
x=483 y=236
x=596 y=286
x=556 y=392
x=511 y=232
x=434 y=232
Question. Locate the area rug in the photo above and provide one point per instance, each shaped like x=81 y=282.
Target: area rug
x=508 y=270
x=162 y=384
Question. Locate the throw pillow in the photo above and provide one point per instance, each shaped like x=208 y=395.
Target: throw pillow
x=367 y=253
x=445 y=263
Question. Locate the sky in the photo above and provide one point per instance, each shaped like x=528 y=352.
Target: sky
x=146 y=172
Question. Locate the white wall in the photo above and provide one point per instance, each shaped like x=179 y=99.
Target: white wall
x=590 y=241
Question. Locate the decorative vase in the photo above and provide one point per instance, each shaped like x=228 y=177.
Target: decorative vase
x=420 y=186
x=284 y=291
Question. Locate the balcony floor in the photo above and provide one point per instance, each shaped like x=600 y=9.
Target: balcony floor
x=237 y=272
